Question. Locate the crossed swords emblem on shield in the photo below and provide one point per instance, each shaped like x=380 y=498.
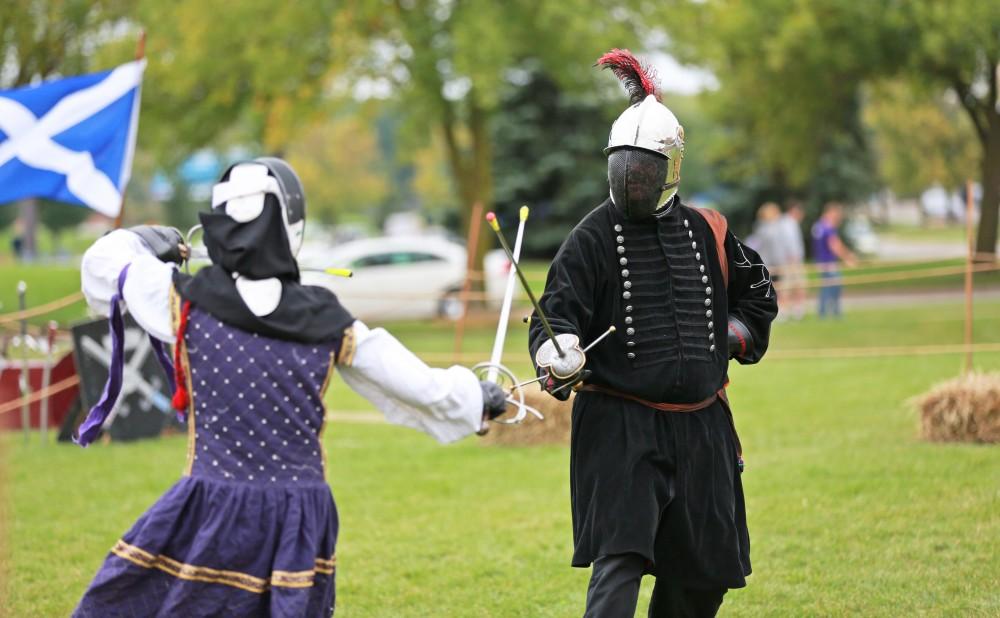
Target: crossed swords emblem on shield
x=134 y=381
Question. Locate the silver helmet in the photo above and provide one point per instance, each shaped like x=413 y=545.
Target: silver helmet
x=646 y=144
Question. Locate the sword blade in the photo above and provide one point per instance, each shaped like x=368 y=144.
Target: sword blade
x=495 y=224
x=508 y=298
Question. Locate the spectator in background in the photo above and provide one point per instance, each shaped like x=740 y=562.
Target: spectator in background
x=766 y=238
x=792 y=270
x=829 y=251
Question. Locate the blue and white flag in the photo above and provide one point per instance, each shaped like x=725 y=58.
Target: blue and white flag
x=71 y=139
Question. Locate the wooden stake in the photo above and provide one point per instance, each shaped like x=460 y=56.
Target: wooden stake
x=470 y=246
x=970 y=250
x=140 y=53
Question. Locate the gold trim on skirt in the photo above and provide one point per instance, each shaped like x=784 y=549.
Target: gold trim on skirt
x=243 y=581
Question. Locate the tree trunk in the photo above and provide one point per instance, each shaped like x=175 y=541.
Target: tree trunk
x=29 y=230
x=989 y=208
x=482 y=156
x=472 y=170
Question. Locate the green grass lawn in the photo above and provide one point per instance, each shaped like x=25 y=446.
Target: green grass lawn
x=850 y=513
x=45 y=284
x=936 y=233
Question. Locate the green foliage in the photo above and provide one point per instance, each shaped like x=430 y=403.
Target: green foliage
x=788 y=73
x=450 y=63
x=256 y=66
x=43 y=38
x=921 y=138
x=8 y=214
x=59 y=217
x=337 y=161
x=180 y=210
x=548 y=156
x=699 y=173
x=791 y=74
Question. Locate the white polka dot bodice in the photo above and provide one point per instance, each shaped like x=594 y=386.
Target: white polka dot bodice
x=257 y=402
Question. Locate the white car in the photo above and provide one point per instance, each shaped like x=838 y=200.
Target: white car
x=396 y=278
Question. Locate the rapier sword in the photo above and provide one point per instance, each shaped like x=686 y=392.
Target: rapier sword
x=495 y=224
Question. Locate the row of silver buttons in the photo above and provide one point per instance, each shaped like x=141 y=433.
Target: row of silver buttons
x=708 y=289
x=627 y=294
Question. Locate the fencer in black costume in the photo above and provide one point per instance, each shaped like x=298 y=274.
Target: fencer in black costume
x=655 y=461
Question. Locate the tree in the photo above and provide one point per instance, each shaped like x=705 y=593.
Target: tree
x=59 y=217
x=255 y=66
x=921 y=138
x=449 y=60
x=431 y=182
x=548 y=155
x=43 y=38
x=337 y=161
x=792 y=73
x=956 y=45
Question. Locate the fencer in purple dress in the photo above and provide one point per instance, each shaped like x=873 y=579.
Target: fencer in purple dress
x=251 y=527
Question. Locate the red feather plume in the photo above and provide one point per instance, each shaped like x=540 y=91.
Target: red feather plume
x=639 y=79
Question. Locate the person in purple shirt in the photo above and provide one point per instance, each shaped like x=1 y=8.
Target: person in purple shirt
x=829 y=251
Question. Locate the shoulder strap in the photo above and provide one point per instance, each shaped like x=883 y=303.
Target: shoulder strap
x=717 y=221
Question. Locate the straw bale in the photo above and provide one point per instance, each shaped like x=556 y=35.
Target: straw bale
x=554 y=429
x=964 y=409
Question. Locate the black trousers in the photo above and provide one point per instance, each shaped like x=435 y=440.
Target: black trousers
x=614 y=592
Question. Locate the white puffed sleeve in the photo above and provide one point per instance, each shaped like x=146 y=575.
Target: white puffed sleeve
x=147 y=285
x=447 y=404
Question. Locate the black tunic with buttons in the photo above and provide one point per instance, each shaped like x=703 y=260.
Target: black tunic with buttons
x=665 y=485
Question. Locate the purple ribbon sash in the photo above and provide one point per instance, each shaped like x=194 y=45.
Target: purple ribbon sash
x=91 y=426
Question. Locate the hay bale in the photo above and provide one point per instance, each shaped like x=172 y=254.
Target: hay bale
x=554 y=429
x=965 y=409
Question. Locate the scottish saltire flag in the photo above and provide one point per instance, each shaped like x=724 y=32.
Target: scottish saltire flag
x=71 y=139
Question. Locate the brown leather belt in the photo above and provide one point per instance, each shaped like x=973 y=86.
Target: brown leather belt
x=679 y=407
x=663 y=407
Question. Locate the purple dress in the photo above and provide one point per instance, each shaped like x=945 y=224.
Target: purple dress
x=250 y=529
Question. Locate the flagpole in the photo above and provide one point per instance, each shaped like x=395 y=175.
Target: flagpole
x=140 y=53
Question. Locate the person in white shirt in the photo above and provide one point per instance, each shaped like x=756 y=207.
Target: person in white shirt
x=792 y=287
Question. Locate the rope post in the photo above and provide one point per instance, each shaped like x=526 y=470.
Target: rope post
x=970 y=255
x=43 y=421
x=25 y=386
x=471 y=245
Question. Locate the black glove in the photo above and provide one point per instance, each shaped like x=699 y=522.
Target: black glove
x=561 y=388
x=740 y=340
x=494 y=399
x=165 y=242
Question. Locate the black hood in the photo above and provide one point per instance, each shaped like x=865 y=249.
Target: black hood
x=258 y=249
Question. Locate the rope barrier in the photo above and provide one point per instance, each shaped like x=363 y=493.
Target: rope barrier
x=882 y=351
x=924 y=273
x=58 y=387
x=466 y=357
x=790 y=354
x=919 y=273
x=49 y=307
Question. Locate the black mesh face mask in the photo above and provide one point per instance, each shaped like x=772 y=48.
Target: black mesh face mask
x=637 y=179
